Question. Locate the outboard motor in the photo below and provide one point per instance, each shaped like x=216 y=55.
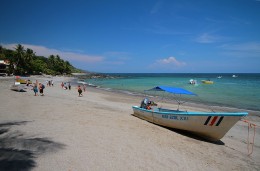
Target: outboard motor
x=144 y=103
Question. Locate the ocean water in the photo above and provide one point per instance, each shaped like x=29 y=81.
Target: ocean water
x=241 y=92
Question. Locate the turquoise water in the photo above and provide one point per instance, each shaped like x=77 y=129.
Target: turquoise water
x=240 y=92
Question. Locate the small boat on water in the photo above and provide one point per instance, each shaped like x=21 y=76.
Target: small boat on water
x=208 y=125
x=234 y=76
x=193 y=82
x=219 y=77
x=207 y=81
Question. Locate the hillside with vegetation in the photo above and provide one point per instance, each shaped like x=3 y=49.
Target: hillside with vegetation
x=25 y=62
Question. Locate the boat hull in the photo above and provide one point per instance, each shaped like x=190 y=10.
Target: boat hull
x=211 y=126
x=23 y=81
x=207 y=82
x=17 y=87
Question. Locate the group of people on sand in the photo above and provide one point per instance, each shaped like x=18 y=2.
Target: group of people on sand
x=80 y=89
x=38 y=87
x=65 y=85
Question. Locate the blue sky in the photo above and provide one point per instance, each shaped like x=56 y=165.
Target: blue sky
x=151 y=36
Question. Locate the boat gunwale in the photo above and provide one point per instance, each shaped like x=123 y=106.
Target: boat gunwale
x=175 y=112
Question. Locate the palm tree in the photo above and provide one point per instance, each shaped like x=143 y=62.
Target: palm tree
x=18 y=59
x=29 y=54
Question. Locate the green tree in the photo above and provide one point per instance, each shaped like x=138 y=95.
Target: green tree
x=26 y=62
x=2 y=55
x=51 y=62
x=19 y=60
x=28 y=58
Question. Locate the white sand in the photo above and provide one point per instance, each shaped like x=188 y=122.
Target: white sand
x=98 y=132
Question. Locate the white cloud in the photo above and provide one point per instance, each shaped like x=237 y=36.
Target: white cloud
x=156 y=7
x=168 y=65
x=170 y=61
x=69 y=56
x=157 y=29
x=210 y=38
x=206 y=38
x=249 y=46
x=248 y=49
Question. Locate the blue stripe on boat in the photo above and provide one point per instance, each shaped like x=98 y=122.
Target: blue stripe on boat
x=175 y=112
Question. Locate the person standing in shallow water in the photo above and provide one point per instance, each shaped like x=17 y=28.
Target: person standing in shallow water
x=84 y=87
x=80 y=91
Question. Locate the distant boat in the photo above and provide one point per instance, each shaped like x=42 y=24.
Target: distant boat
x=234 y=76
x=209 y=125
x=193 y=82
x=207 y=81
x=219 y=77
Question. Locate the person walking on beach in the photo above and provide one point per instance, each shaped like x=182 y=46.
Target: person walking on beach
x=84 y=87
x=35 y=89
x=27 y=83
x=80 y=91
x=69 y=86
x=41 y=87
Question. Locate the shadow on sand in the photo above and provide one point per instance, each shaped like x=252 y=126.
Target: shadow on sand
x=18 y=152
x=187 y=134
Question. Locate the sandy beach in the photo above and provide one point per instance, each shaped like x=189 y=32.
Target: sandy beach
x=61 y=131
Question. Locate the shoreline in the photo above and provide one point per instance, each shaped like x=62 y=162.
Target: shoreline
x=61 y=131
x=193 y=104
x=224 y=92
x=74 y=82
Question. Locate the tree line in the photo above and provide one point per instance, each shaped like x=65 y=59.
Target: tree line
x=25 y=62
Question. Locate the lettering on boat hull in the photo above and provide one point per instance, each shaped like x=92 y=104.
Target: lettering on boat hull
x=174 y=117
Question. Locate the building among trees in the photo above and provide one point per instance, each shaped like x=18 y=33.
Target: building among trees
x=4 y=64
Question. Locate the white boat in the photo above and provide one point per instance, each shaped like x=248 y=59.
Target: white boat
x=193 y=82
x=208 y=125
x=219 y=77
x=234 y=76
x=17 y=86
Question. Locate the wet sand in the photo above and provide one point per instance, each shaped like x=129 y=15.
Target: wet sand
x=61 y=131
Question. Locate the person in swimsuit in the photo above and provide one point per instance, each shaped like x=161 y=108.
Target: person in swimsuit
x=35 y=89
x=41 y=87
x=80 y=91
